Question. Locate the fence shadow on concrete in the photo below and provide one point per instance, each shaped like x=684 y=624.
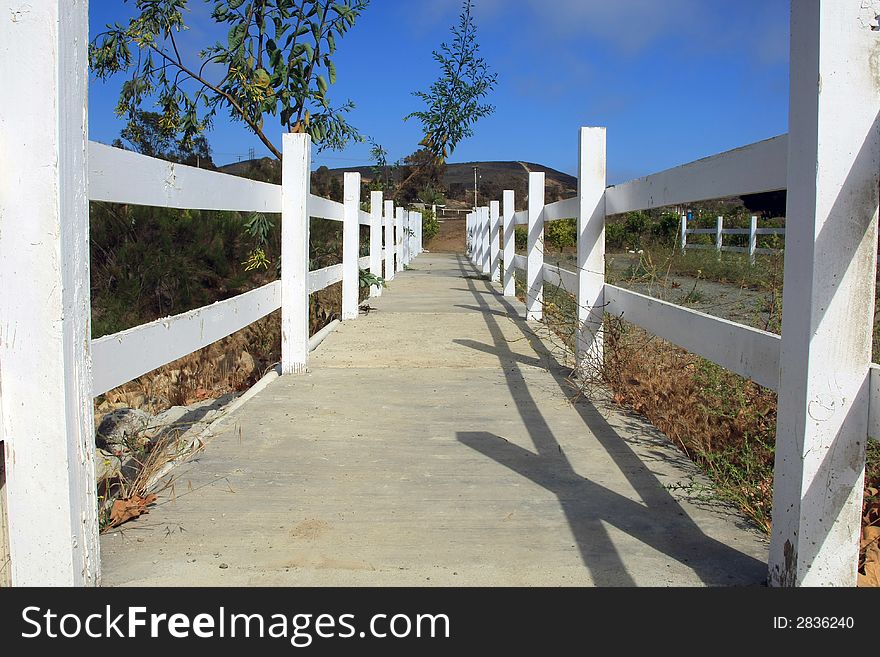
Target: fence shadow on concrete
x=659 y=522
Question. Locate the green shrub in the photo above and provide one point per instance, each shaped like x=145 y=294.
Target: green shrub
x=561 y=233
x=430 y=225
x=666 y=229
x=615 y=236
x=520 y=237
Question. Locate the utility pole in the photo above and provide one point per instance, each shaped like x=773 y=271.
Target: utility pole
x=475 y=188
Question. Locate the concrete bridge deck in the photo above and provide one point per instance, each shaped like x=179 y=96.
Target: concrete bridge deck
x=433 y=443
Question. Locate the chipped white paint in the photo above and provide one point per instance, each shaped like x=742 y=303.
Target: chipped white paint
x=120 y=176
x=828 y=295
x=590 y=212
x=46 y=415
x=376 y=240
x=295 y=197
x=494 y=241
x=535 y=248
x=509 y=283
x=350 y=244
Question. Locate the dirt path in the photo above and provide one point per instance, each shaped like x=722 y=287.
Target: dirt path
x=738 y=304
x=450 y=239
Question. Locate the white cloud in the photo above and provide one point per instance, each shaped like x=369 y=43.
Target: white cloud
x=629 y=26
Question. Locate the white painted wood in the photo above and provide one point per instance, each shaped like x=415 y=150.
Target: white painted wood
x=126 y=355
x=407 y=237
x=684 y=232
x=590 y=212
x=828 y=293
x=389 y=240
x=509 y=283
x=350 y=244
x=376 y=240
x=749 y=352
x=495 y=241
x=485 y=231
x=520 y=263
x=874 y=403
x=719 y=232
x=563 y=278
x=321 y=278
x=120 y=176
x=566 y=209
x=324 y=208
x=46 y=414
x=521 y=218
x=296 y=204
x=535 y=248
x=420 y=227
x=758 y=167
x=399 y=236
x=363 y=218
x=753 y=239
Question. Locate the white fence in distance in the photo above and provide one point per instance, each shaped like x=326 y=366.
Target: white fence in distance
x=720 y=231
x=822 y=429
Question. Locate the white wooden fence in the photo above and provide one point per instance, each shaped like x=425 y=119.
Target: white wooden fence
x=51 y=369
x=720 y=231
x=829 y=392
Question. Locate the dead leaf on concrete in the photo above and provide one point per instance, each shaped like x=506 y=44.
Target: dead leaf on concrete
x=129 y=508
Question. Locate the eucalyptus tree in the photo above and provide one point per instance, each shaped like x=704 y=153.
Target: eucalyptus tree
x=276 y=60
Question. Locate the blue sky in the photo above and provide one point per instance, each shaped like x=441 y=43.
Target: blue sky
x=672 y=80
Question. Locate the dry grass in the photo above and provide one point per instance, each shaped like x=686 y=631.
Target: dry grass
x=723 y=422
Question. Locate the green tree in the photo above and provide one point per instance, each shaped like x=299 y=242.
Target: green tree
x=453 y=103
x=277 y=60
x=144 y=134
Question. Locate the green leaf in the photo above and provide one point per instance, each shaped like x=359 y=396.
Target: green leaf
x=331 y=71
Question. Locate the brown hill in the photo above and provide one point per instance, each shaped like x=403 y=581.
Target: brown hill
x=493 y=179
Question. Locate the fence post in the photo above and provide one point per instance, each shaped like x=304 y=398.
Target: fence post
x=509 y=243
x=389 y=241
x=351 y=229
x=719 y=228
x=484 y=231
x=398 y=239
x=376 y=240
x=535 y=253
x=420 y=225
x=494 y=243
x=684 y=234
x=47 y=428
x=591 y=248
x=295 y=184
x=828 y=295
x=753 y=239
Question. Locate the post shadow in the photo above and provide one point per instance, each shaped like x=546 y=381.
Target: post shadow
x=658 y=523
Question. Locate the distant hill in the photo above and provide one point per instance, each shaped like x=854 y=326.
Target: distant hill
x=494 y=178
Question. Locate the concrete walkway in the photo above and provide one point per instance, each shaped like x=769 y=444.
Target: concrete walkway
x=433 y=443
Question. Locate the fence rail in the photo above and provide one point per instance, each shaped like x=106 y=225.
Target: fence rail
x=128 y=354
x=829 y=392
x=719 y=232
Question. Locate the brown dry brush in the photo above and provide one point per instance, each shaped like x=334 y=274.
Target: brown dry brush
x=722 y=421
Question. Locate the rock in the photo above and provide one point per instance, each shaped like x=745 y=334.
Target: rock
x=121 y=428
x=107 y=465
x=246 y=363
